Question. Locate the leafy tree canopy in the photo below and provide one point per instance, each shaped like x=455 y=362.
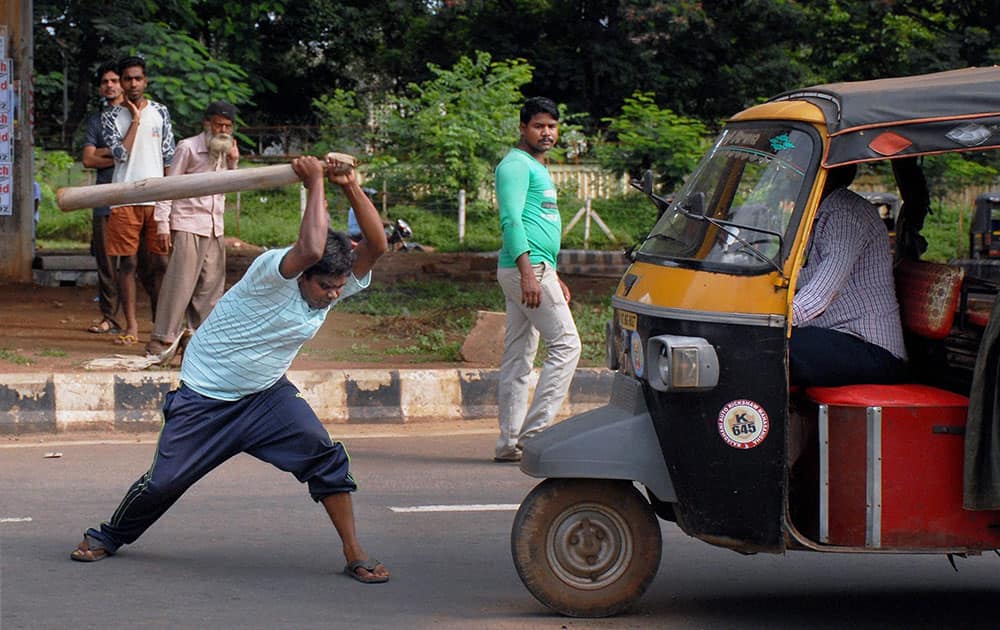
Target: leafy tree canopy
x=448 y=133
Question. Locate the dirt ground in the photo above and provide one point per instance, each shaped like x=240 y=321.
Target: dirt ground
x=44 y=329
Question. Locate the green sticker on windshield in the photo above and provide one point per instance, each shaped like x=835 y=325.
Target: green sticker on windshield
x=782 y=142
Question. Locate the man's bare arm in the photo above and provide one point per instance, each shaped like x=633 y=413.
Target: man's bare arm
x=309 y=247
x=97 y=158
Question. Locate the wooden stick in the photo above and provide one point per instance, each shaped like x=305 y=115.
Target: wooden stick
x=183 y=186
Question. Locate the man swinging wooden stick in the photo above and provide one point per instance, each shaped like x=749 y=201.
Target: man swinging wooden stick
x=234 y=395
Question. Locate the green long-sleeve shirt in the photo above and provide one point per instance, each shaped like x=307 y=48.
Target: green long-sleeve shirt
x=529 y=214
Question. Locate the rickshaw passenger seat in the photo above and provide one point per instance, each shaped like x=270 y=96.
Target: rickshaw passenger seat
x=871 y=395
x=928 y=295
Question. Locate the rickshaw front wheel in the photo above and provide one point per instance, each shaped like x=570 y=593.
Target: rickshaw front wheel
x=586 y=547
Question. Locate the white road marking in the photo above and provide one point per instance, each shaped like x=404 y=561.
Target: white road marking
x=20 y=519
x=474 y=507
x=337 y=432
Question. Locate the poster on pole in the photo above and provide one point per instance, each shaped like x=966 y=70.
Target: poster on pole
x=6 y=137
x=6 y=111
x=6 y=181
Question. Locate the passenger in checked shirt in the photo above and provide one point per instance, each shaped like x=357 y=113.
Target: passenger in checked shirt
x=845 y=317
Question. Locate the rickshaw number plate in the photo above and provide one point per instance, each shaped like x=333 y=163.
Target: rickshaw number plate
x=627 y=320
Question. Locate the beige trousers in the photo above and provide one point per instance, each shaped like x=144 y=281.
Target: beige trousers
x=193 y=283
x=553 y=322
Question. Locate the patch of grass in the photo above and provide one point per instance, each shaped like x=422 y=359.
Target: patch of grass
x=591 y=318
x=947 y=238
x=431 y=318
x=11 y=356
x=454 y=301
x=52 y=352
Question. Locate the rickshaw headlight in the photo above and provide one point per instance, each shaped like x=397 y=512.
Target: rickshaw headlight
x=681 y=363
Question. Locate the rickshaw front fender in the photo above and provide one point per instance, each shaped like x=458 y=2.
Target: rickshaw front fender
x=616 y=441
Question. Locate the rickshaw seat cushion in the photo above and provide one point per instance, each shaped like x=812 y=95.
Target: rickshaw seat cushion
x=873 y=395
x=928 y=295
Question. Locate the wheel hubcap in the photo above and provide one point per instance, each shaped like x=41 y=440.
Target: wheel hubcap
x=589 y=546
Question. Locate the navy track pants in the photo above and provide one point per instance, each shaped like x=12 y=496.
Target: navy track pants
x=275 y=425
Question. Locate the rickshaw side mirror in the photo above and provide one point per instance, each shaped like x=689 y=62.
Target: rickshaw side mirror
x=696 y=204
x=647 y=182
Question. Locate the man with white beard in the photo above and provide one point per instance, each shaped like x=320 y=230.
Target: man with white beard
x=196 y=274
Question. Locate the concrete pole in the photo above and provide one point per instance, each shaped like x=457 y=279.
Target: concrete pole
x=461 y=216
x=16 y=246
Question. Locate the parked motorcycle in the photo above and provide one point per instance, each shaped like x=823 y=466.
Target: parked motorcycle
x=397 y=232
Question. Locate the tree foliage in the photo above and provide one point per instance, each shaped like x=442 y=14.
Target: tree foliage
x=648 y=137
x=185 y=77
x=384 y=58
x=341 y=121
x=448 y=133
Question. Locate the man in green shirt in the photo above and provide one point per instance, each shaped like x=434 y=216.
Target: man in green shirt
x=537 y=301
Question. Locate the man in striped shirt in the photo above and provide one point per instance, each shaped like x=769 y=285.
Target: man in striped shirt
x=845 y=314
x=234 y=396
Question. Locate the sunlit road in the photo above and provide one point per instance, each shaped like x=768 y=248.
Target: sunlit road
x=247 y=548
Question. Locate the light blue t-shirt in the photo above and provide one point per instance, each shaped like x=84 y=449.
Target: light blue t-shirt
x=254 y=332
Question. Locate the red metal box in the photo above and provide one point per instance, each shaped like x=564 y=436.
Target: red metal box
x=891 y=460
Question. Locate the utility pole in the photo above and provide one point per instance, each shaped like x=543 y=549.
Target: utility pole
x=17 y=220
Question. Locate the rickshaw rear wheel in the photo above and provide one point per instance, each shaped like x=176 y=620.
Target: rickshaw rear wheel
x=586 y=547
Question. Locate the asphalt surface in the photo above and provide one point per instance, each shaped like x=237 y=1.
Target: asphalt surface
x=247 y=548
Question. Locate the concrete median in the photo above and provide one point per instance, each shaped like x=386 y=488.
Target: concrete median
x=128 y=402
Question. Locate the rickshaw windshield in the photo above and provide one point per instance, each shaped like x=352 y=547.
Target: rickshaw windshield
x=735 y=213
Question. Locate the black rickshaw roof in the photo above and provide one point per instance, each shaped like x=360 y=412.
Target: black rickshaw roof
x=956 y=110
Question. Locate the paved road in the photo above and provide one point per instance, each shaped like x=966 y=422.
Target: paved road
x=246 y=548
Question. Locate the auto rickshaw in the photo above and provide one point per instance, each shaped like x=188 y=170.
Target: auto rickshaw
x=702 y=428
x=984 y=230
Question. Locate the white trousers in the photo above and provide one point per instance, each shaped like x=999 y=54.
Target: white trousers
x=553 y=322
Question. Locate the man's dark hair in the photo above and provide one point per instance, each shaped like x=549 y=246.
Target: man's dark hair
x=839 y=177
x=538 y=105
x=131 y=62
x=338 y=257
x=104 y=68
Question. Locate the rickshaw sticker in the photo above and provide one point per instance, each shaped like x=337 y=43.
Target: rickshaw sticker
x=638 y=360
x=743 y=424
x=781 y=143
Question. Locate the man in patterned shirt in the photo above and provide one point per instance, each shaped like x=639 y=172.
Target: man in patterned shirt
x=234 y=395
x=845 y=314
x=141 y=140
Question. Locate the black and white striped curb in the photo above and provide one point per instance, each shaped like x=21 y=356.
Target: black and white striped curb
x=130 y=401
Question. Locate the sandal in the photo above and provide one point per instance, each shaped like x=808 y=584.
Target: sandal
x=89 y=550
x=126 y=340
x=369 y=565
x=161 y=353
x=104 y=326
